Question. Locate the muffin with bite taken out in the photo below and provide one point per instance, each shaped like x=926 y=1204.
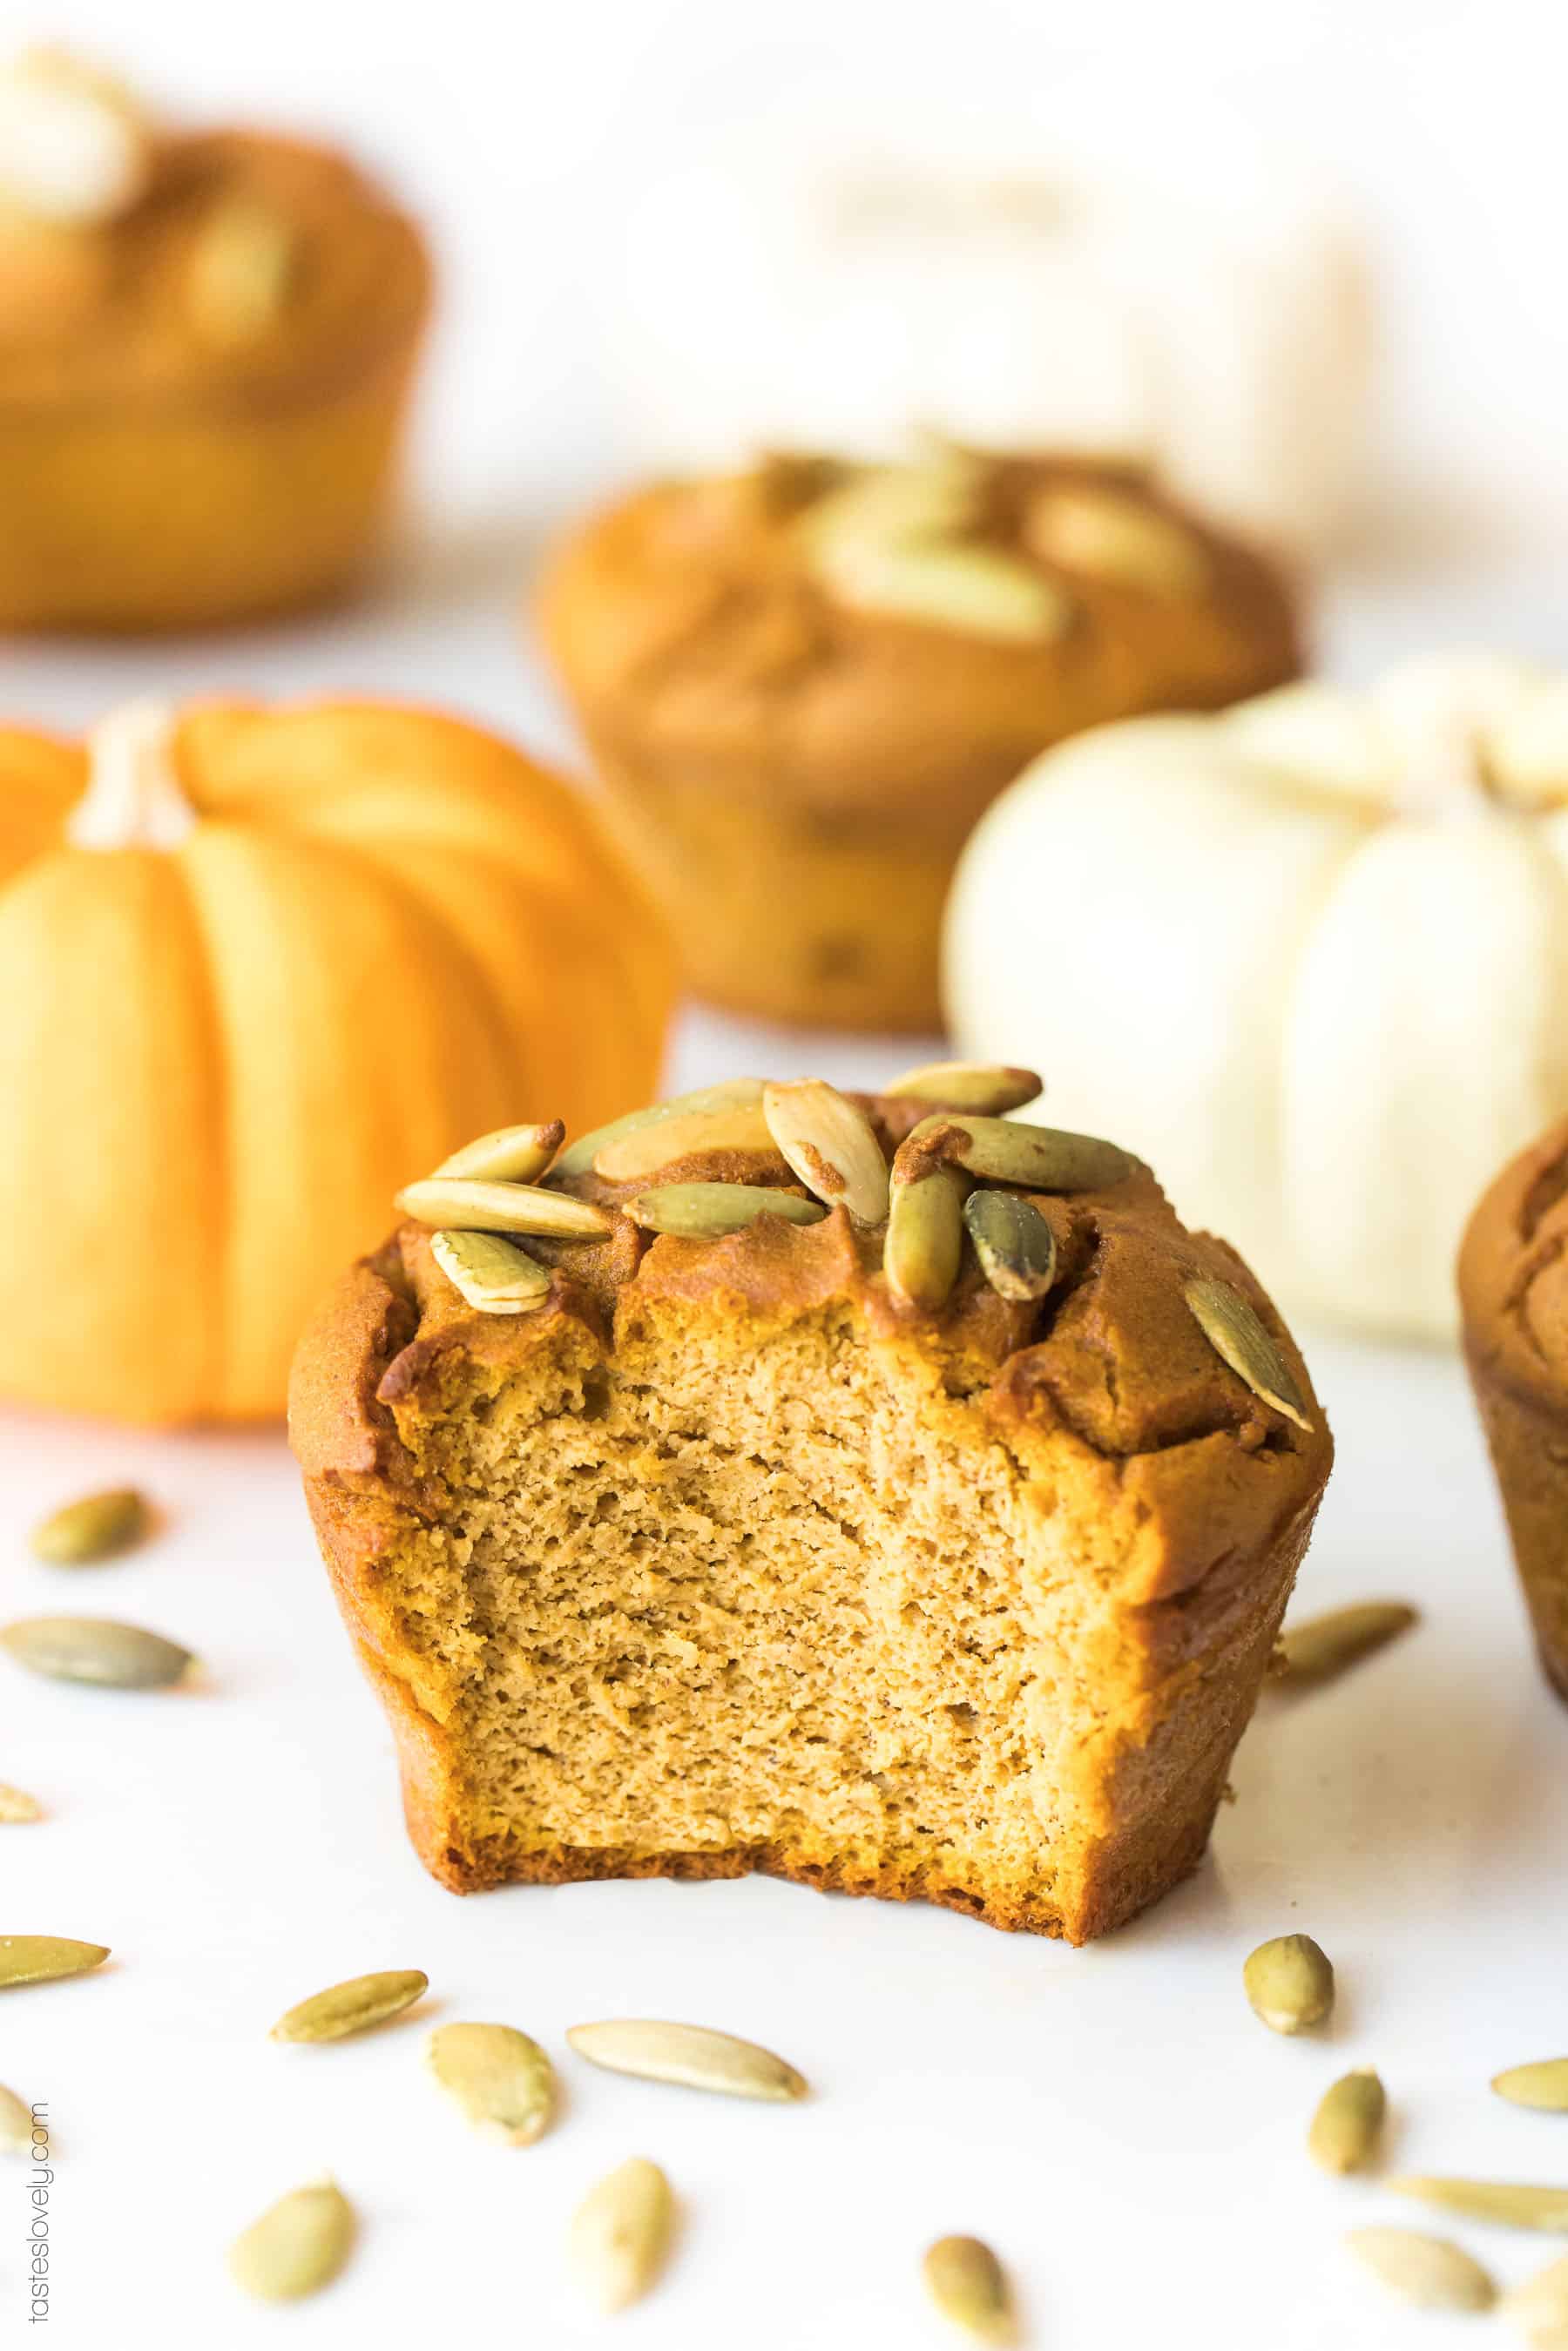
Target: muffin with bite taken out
x=873 y=1490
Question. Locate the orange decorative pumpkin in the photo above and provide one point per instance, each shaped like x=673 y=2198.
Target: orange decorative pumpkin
x=257 y=968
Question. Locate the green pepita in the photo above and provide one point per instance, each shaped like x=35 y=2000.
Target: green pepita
x=352 y=2007
x=81 y=1533
x=503 y=2081
x=298 y=2246
x=690 y=2054
x=1289 y=1983
x=96 y=1649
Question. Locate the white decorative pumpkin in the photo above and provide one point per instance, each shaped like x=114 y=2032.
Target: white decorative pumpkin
x=1210 y=321
x=1308 y=958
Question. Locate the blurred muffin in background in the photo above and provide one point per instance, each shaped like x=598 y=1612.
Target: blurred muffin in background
x=1133 y=286
x=804 y=683
x=206 y=341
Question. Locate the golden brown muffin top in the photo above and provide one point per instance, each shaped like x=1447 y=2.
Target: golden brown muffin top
x=1111 y=1349
x=244 y=265
x=1514 y=1274
x=854 y=636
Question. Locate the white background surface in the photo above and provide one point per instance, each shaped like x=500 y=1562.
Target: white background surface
x=1113 y=2120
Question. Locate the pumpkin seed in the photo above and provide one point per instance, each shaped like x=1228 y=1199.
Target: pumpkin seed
x=1432 y=2272
x=491 y=1274
x=45 y=1958
x=707 y=1211
x=298 y=2246
x=1289 y=1983
x=241 y=270
x=1325 y=1646
x=352 y=2007
x=1509 y=2202
x=894 y=505
x=1114 y=537
x=621 y=2234
x=1033 y=1158
x=889 y=541
x=16 y=2124
x=983 y=590
x=986 y=1087
x=1543 y=2086
x=578 y=1158
x=741 y=1128
x=925 y=1241
x=15 y=1804
x=1014 y=1245
x=1348 y=2123
x=503 y=2080
x=1540 y=2304
x=831 y=1145
x=965 y=2280
x=81 y=1533
x=511 y=1154
x=1236 y=1331
x=473 y=1207
x=96 y=1649
x=690 y=2054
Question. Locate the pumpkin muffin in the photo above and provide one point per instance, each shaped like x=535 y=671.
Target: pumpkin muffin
x=1513 y=1295
x=711 y=1501
x=803 y=685
x=206 y=341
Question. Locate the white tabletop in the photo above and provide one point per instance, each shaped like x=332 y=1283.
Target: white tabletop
x=1112 y=2120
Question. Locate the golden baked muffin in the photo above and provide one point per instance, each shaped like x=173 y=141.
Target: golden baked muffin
x=1514 y=1298
x=749 y=1512
x=802 y=686
x=206 y=341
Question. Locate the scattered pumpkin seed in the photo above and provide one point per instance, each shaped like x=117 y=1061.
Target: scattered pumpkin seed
x=81 y=1533
x=707 y=1211
x=1432 y=2272
x=1032 y=1158
x=241 y=270
x=988 y=1088
x=578 y=1158
x=690 y=2054
x=504 y=2082
x=16 y=2124
x=1236 y=1332
x=621 y=2234
x=96 y=1649
x=1014 y=1245
x=831 y=1145
x=15 y=1804
x=740 y=1128
x=298 y=2246
x=511 y=1154
x=1112 y=537
x=1348 y=2123
x=1543 y=2086
x=492 y=1275
x=1512 y=2202
x=925 y=1241
x=45 y=1958
x=469 y=1206
x=1289 y=1983
x=966 y=2282
x=1540 y=2304
x=352 y=2007
x=1325 y=1646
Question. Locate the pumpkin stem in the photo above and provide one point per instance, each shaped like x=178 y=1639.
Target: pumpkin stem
x=134 y=799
